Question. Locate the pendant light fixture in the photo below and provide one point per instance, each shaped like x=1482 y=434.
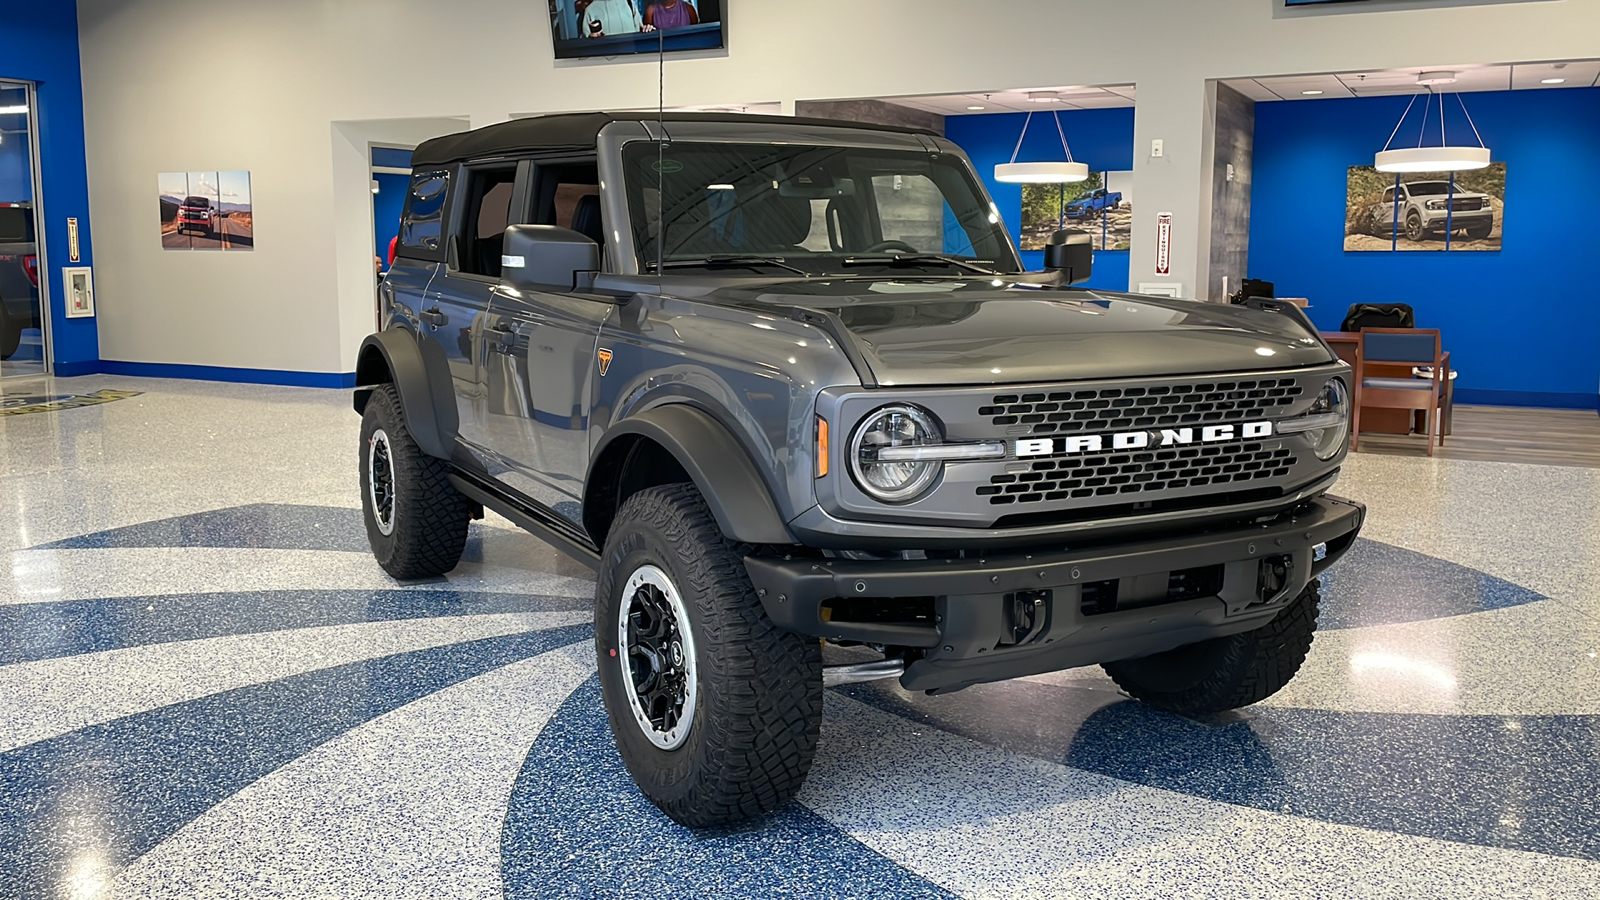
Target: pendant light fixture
x=1065 y=172
x=1442 y=158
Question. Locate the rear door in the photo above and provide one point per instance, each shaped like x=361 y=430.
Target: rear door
x=541 y=361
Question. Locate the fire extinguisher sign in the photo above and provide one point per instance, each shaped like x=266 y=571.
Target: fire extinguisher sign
x=1164 y=244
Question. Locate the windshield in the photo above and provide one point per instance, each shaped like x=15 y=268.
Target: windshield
x=1428 y=187
x=814 y=208
x=196 y=201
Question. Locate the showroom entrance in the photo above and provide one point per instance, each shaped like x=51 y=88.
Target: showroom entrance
x=22 y=301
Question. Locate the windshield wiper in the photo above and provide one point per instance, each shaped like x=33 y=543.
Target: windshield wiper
x=915 y=259
x=726 y=260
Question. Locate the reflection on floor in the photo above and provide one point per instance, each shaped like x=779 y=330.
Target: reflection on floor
x=208 y=689
x=1550 y=437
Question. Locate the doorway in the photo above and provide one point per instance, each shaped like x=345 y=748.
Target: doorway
x=24 y=349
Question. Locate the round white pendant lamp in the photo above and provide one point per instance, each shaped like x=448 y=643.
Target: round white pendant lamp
x=1444 y=157
x=1433 y=159
x=1042 y=172
x=1064 y=172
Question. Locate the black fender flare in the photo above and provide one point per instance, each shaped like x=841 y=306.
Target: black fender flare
x=421 y=374
x=714 y=460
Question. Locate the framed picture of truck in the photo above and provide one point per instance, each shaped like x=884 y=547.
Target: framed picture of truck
x=206 y=211
x=1102 y=206
x=1425 y=210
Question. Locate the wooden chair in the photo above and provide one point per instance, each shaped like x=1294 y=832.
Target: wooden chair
x=1382 y=349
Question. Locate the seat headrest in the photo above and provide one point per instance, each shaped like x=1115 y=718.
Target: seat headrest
x=586 y=218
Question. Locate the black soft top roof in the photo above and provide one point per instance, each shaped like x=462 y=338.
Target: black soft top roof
x=579 y=131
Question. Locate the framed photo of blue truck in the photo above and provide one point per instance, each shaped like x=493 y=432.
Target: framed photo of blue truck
x=1102 y=206
x=1425 y=210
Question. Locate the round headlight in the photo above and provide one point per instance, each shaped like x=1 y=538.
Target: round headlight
x=1335 y=399
x=893 y=481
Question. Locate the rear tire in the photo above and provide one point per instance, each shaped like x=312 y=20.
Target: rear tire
x=716 y=710
x=416 y=519
x=1228 y=672
x=10 y=333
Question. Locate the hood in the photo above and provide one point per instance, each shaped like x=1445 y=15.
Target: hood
x=926 y=331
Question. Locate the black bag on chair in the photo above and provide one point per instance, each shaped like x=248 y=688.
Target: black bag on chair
x=1378 y=315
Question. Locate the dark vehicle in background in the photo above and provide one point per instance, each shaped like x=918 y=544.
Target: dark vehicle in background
x=197 y=215
x=1093 y=204
x=785 y=383
x=19 y=276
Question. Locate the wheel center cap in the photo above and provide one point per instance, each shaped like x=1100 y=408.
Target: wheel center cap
x=677 y=655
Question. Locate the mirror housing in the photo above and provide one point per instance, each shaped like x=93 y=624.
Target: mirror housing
x=1071 y=251
x=546 y=257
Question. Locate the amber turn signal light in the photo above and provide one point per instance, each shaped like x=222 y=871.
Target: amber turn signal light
x=822 y=446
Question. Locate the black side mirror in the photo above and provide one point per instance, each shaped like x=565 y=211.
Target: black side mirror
x=1070 y=250
x=547 y=257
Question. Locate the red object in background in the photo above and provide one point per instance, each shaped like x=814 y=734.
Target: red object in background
x=393 y=243
x=31 y=264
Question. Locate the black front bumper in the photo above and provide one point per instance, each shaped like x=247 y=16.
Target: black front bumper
x=1004 y=616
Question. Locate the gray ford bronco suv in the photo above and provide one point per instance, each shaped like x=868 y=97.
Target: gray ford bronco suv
x=784 y=383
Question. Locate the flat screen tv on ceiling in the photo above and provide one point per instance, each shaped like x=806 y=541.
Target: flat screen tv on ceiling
x=583 y=29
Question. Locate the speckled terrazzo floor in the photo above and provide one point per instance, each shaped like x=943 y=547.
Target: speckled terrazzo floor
x=208 y=689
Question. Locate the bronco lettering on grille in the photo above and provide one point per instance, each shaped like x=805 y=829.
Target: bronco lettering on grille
x=1138 y=440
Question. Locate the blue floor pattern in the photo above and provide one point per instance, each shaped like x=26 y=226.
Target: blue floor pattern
x=576 y=827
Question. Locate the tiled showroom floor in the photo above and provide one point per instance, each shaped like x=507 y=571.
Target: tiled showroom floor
x=209 y=689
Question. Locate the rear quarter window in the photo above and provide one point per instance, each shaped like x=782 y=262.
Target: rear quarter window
x=422 y=223
x=16 y=225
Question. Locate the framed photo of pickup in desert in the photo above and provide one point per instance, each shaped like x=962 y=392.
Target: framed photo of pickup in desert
x=206 y=211
x=1102 y=206
x=1425 y=210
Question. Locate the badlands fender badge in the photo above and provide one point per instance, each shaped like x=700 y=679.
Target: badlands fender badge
x=1139 y=440
x=604 y=356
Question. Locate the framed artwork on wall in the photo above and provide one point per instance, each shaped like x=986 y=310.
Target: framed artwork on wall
x=1102 y=206
x=206 y=211
x=1425 y=210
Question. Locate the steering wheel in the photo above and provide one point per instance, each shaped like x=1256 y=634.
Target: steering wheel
x=891 y=245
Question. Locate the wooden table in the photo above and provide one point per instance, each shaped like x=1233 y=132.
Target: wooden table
x=1387 y=421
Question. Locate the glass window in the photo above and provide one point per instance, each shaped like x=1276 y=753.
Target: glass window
x=822 y=209
x=422 y=225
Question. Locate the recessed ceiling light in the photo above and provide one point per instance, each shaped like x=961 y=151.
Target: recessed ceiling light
x=1043 y=96
x=1311 y=93
x=974 y=108
x=1427 y=78
x=1553 y=81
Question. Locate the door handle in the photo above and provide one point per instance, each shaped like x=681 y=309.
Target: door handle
x=434 y=317
x=502 y=335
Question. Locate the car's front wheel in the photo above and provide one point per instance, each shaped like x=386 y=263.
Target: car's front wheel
x=716 y=710
x=1228 y=672
x=416 y=519
x=1415 y=229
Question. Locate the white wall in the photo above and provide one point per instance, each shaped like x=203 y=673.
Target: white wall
x=277 y=76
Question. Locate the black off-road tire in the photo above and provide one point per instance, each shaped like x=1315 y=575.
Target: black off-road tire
x=10 y=333
x=429 y=516
x=1415 y=230
x=758 y=689
x=1479 y=233
x=1225 y=673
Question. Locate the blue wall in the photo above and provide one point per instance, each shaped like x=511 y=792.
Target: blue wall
x=1522 y=324
x=386 y=206
x=41 y=45
x=1103 y=138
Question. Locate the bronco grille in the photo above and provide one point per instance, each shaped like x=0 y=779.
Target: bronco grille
x=1125 y=409
x=1139 y=472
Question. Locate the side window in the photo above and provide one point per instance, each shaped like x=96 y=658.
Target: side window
x=422 y=224
x=568 y=194
x=1388 y=195
x=484 y=219
x=910 y=210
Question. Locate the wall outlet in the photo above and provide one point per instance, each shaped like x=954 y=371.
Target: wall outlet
x=1156 y=148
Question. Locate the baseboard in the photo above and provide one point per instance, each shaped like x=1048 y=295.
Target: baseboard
x=222 y=373
x=1543 y=399
x=75 y=369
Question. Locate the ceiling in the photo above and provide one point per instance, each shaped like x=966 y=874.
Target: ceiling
x=1389 y=82
x=1013 y=101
